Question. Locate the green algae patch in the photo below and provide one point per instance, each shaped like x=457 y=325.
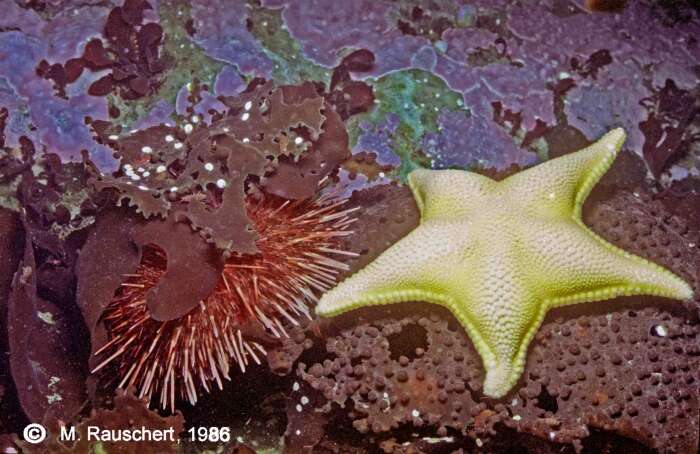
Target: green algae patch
x=415 y=97
x=290 y=66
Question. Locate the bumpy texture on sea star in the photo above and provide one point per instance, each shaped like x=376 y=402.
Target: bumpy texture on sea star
x=499 y=255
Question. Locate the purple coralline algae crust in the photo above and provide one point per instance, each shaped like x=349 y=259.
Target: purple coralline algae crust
x=644 y=53
x=534 y=44
x=18 y=122
x=352 y=182
x=378 y=139
x=159 y=114
x=464 y=141
x=221 y=31
x=15 y=48
x=364 y=24
x=19 y=53
x=207 y=103
x=16 y=18
x=228 y=82
x=69 y=31
x=519 y=88
x=60 y=123
x=595 y=107
x=425 y=58
x=63 y=34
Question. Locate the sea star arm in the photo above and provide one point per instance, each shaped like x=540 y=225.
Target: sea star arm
x=447 y=194
x=573 y=267
x=500 y=312
x=560 y=186
x=560 y=264
x=508 y=345
x=409 y=270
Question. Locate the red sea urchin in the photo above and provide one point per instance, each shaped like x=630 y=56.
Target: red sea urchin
x=178 y=358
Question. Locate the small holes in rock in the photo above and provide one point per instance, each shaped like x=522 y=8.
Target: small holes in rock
x=405 y=342
x=453 y=325
x=546 y=401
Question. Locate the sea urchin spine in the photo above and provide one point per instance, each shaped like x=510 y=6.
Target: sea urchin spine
x=296 y=241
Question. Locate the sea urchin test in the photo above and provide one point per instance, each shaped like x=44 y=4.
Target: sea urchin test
x=297 y=243
x=500 y=254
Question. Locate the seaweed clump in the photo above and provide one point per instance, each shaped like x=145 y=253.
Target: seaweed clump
x=57 y=205
x=286 y=138
x=133 y=54
x=214 y=186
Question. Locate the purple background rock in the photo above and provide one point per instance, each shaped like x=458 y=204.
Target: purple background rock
x=364 y=24
x=595 y=107
x=221 y=31
x=18 y=121
x=159 y=114
x=465 y=140
x=60 y=122
x=378 y=139
x=644 y=52
x=228 y=82
x=535 y=44
x=66 y=33
x=207 y=102
x=505 y=52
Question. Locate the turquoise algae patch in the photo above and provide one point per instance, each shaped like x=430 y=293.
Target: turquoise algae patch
x=407 y=107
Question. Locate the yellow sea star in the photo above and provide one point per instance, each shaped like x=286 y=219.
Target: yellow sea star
x=499 y=255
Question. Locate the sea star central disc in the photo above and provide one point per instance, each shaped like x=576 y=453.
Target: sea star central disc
x=499 y=255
